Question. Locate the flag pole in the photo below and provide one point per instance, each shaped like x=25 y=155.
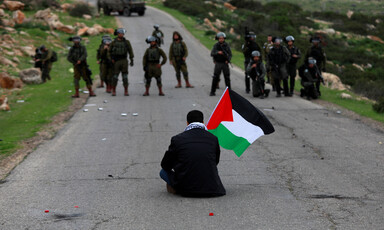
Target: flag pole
x=216 y=106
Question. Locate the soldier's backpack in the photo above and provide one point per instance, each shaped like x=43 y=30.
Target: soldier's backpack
x=54 y=57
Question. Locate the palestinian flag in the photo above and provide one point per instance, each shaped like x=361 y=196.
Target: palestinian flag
x=237 y=123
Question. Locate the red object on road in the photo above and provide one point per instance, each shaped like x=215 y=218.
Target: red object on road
x=46 y=211
x=76 y=206
x=211 y=214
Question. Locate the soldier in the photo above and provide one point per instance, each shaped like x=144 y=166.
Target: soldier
x=178 y=53
x=278 y=57
x=222 y=54
x=291 y=66
x=256 y=71
x=317 y=52
x=248 y=47
x=106 y=65
x=152 y=65
x=266 y=48
x=310 y=76
x=119 y=50
x=37 y=59
x=101 y=46
x=46 y=62
x=159 y=35
x=78 y=57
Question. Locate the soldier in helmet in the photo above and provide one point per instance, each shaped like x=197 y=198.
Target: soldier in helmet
x=248 y=47
x=310 y=78
x=46 y=63
x=152 y=65
x=278 y=57
x=256 y=71
x=78 y=57
x=106 y=65
x=99 y=61
x=222 y=55
x=119 y=50
x=317 y=52
x=178 y=53
x=266 y=48
x=291 y=65
x=158 y=34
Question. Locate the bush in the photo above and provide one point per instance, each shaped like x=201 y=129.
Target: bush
x=32 y=25
x=80 y=9
x=379 y=106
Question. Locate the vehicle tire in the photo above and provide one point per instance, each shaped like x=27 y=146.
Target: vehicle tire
x=126 y=12
x=141 y=13
x=106 y=11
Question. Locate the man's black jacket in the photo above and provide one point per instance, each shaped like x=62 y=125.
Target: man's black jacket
x=194 y=155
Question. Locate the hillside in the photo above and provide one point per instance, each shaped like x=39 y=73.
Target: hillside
x=353 y=42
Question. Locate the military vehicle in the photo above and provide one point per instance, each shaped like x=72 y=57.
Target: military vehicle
x=123 y=7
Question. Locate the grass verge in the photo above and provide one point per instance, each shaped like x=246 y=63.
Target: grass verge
x=42 y=102
x=361 y=107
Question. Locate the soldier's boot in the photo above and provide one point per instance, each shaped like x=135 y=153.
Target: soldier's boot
x=178 y=83
x=126 y=91
x=161 y=91
x=113 y=90
x=101 y=84
x=76 y=95
x=107 y=88
x=146 y=91
x=91 y=93
x=188 y=85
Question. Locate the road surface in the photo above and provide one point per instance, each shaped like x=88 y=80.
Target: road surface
x=319 y=170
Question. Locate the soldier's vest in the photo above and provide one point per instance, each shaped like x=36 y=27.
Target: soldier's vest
x=77 y=52
x=120 y=48
x=178 y=50
x=153 y=55
x=317 y=53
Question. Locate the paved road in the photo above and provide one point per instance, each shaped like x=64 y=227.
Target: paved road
x=319 y=170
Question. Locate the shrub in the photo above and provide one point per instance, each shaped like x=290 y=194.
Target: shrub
x=32 y=25
x=80 y=9
x=379 y=106
x=40 y=4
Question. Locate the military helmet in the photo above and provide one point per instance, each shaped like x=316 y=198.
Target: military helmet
x=276 y=40
x=156 y=26
x=314 y=39
x=256 y=53
x=75 y=39
x=289 y=38
x=105 y=37
x=119 y=31
x=311 y=60
x=251 y=35
x=107 y=41
x=220 y=34
x=42 y=47
x=150 y=39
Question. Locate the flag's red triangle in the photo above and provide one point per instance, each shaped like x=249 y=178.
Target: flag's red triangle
x=222 y=112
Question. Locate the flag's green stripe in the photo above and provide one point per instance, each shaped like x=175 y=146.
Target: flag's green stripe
x=230 y=141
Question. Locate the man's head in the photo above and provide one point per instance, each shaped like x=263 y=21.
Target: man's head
x=256 y=55
x=290 y=40
x=269 y=38
x=156 y=26
x=276 y=41
x=311 y=62
x=75 y=39
x=221 y=37
x=195 y=116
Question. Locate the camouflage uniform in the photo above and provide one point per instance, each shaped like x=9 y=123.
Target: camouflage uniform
x=151 y=60
x=266 y=48
x=178 y=52
x=291 y=67
x=46 y=64
x=221 y=64
x=159 y=35
x=247 y=48
x=119 y=51
x=106 y=67
x=278 y=57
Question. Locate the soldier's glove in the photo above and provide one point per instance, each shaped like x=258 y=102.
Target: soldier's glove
x=131 y=64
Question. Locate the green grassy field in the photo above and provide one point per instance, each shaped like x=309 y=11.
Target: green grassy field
x=360 y=107
x=42 y=102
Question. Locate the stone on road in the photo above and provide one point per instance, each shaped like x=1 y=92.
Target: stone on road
x=319 y=170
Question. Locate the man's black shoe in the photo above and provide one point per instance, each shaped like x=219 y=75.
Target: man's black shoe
x=212 y=94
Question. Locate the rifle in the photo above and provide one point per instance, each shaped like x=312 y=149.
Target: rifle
x=226 y=56
x=246 y=34
x=318 y=73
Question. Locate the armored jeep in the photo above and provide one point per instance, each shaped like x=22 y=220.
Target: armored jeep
x=123 y=7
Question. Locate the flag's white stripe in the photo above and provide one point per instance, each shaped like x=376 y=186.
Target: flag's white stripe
x=242 y=128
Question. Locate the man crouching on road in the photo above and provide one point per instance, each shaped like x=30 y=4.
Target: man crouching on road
x=189 y=166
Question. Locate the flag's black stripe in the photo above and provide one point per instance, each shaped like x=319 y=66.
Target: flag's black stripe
x=250 y=113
